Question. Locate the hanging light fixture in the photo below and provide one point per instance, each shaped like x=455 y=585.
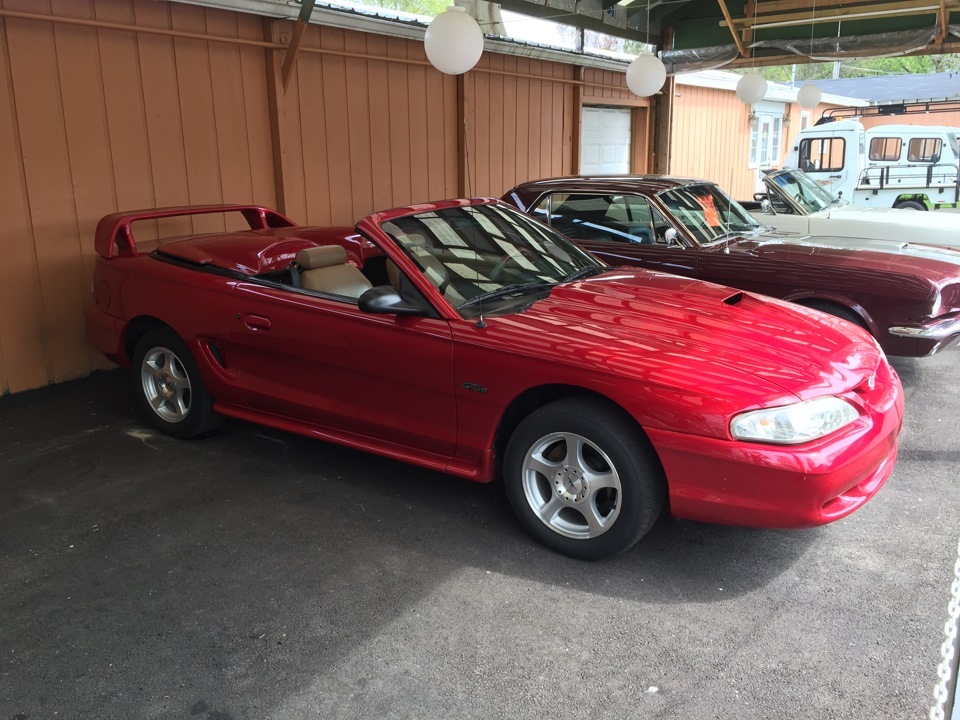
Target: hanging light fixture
x=454 y=41
x=751 y=88
x=646 y=75
x=809 y=96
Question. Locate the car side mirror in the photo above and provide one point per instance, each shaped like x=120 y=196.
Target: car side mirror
x=766 y=207
x=670 y=237
x=385 y=300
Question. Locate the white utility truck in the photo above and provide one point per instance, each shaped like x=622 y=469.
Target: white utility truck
x=904 y=166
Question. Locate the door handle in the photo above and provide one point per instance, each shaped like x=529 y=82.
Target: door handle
x=257 y=323
x=836 y=176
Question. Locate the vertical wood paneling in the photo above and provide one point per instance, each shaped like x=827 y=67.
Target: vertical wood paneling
x=39 y=106
x=233 y=142
x=85 y=124
x=397 y=100
x=161 y=102
x=23 y=346
x=126 y=122
x=309 y=86
x=358 y=112
x=96 y=120
x=263 y=178
x=198 y=115
x=378 y=93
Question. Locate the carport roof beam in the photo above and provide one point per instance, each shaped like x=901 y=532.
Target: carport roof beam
x=733 y=30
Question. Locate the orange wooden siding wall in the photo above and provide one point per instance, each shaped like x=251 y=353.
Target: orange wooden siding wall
x=711 y=137
x=94 y=120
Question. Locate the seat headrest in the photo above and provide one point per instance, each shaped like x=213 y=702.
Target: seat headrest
x=318 y=257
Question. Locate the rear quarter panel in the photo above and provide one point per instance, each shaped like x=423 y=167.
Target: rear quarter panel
x=190 y=301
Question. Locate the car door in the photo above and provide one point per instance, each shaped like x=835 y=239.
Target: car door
x=318 y=359
x=620 y=229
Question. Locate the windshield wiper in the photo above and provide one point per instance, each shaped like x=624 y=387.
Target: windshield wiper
x=585 y=272
x=506 y=291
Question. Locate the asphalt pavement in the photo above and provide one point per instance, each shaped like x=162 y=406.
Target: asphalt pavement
x=254 y=574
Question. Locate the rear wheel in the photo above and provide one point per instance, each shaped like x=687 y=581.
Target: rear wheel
x=583 y=479
x=168 y=386
x=910 y=204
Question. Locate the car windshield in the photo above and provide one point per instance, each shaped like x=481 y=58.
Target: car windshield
x=707 y=212
x=476 y=253
x=798 y=186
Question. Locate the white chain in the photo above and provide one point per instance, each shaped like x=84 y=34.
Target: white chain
x=941 y=691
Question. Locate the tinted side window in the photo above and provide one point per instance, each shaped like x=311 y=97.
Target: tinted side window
x=924 y=150
x=822 y=154
x=610 y=218
x=885 y=148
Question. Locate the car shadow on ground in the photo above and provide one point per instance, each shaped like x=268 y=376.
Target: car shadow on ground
x=136 y=561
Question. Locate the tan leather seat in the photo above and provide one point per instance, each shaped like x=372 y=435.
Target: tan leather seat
x=325 y=269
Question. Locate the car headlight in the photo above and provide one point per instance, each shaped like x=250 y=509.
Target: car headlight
x=797 y=423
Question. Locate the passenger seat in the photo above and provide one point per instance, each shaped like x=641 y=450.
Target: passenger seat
x=325 y=269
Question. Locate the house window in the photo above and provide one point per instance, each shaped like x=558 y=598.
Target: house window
x=822 y=154
x=924 y=150
x=886 y=149
x=765 y=140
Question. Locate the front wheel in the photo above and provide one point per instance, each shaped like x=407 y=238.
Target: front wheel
x=168 y=386
x=583 y=479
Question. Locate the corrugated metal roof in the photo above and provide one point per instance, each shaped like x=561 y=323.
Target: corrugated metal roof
x=896 y=88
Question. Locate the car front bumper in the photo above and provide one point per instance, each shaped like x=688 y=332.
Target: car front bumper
x=931 y=336
x=777 y=486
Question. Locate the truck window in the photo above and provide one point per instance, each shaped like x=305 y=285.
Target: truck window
x=822 y=154
x=886 y=149
x=924 y=150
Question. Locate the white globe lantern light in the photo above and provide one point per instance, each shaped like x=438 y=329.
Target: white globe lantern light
x=646 y=75
x=809 y=96
x=454 y=41
x=751 y=88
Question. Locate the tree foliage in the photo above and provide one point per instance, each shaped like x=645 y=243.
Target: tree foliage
x=865 y=67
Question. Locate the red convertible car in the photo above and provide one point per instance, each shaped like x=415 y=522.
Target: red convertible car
x=464 y=337
x=906 y=294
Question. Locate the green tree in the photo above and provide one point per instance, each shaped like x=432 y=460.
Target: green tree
x=864 y=67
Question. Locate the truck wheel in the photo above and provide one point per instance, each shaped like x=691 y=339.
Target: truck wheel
x=168 y=386
x=910 y=205
x=582 y=479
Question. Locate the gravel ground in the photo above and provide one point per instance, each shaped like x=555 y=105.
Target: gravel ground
x=253 y=574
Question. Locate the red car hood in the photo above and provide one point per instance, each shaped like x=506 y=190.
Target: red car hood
x=654 y=325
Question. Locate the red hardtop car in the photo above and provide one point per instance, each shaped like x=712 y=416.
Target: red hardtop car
x=905 y=293
x=464 y=337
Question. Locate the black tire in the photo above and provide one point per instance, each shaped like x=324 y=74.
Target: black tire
x=168 y=386
x=908 y=204
x=837 y=310
x=614 y=441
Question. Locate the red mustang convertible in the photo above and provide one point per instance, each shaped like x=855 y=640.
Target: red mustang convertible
x=465 y=337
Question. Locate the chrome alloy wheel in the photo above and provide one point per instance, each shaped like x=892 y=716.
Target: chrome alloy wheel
x=166 y=384
x=571 y=485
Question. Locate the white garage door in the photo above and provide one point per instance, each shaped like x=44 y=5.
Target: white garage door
x=605 y=140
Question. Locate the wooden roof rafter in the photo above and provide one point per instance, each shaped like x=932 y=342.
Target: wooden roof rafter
x=785 y=13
